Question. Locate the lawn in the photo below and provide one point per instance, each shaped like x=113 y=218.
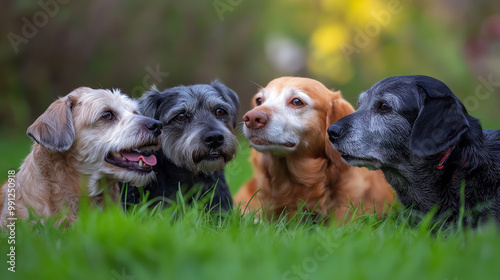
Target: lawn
x=186 y=243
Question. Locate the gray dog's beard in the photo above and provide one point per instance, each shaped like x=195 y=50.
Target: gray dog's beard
x=208 y=161
x=201 y=160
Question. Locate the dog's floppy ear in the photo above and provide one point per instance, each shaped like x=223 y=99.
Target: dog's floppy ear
x=54 y=129
x=441 y=120
x=230 y=97
x=337 y=109
x=149 y=103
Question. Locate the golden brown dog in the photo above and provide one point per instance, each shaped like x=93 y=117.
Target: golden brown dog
x=86 y=142
x=294 y=163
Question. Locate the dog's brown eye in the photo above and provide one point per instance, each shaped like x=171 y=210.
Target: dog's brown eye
x=181 y=117
x=297 y=102
x=220 y=112
x=108 y=115
x=258 y=101
x=385 y=107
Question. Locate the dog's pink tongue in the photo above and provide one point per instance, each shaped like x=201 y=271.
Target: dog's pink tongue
x=150 y=160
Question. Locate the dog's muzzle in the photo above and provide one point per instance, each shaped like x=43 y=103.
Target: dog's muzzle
x=136 y=158
x=154 y=126
x=255 y=119
x=213 y=139
x=335 y=132
x=214 y=149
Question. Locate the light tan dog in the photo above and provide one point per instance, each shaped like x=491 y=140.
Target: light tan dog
x=86 y=142
x=293 y=161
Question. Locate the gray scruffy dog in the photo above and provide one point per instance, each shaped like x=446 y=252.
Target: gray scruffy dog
x=197 y=141
x=420 y=135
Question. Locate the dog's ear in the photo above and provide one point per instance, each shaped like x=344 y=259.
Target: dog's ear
x=441 y=121
x=230 y=97
x=149 y=103
x=337 y=109
x=54 y=129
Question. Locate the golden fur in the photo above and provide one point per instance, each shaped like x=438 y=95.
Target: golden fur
x=67 y=160
x=310 y=172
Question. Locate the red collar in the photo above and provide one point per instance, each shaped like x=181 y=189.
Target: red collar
x=444 y=159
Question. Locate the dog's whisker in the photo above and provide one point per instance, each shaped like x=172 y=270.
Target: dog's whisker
x=259 y=86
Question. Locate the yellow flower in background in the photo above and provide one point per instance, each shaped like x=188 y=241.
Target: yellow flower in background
x=359 y=12
x=325 y=56
x=327 y=39
x=347 y=29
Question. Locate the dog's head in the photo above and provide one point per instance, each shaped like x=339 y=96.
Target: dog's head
x=198 y=123
x=398 y=119
x=291 y=115
x=101 y=133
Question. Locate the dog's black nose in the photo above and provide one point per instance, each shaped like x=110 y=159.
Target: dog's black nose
x=335 y=132
x=155 y=126
x=213 y=139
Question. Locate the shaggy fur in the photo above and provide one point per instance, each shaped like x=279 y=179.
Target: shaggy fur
x=420 y=135
x=294 y=163
x=197 y=141
x=76 y=142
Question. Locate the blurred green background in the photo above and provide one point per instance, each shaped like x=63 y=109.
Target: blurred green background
x=50 y=47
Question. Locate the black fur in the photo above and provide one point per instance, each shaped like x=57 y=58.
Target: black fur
x=408 y=141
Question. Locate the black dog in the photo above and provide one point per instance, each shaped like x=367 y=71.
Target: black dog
x=420 y=135
x=197 y=142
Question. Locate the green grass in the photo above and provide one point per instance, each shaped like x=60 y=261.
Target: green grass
x=189 y=244
x=14 y=149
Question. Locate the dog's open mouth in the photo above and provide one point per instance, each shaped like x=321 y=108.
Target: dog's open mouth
x=133 y=160
x=263 y=142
